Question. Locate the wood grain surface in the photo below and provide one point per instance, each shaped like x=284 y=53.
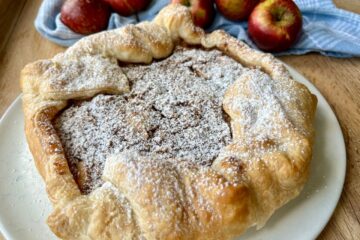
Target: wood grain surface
x=337 y=79
x=8 y=18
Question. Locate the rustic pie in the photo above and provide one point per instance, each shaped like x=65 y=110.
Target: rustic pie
x=161 y=131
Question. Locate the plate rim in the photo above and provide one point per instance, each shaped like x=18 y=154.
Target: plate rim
x=3 y=231
x=310 y=85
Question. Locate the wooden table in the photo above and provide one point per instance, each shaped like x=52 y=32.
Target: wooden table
x=337 y=79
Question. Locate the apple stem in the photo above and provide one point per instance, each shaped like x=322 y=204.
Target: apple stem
x=279 y=13
x=280 y=16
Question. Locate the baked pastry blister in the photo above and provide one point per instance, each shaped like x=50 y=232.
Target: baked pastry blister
x=161 y=131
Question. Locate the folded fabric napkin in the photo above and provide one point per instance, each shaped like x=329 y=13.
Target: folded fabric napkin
x=326 y=29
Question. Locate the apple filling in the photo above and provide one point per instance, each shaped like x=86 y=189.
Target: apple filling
x=174 y=111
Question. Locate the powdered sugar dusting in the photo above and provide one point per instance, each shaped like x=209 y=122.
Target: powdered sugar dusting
x=261 y=115
x=174 y=113
x=84 y=73
x=107 y=186
x=174 y=110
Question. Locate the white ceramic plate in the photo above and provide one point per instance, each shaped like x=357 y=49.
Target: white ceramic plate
x=24 y=205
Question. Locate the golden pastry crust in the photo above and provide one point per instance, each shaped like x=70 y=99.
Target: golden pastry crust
x=243 y=186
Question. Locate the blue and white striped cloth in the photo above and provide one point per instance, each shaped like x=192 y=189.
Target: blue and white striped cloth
x=326 y=29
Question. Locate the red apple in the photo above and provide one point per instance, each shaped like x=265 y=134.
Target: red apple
x=85 y=16
x=236 y=10
x=275 y=25
x=128 y=7
x=202 y=11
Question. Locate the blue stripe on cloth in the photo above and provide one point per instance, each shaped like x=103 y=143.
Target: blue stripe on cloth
x=326 y=29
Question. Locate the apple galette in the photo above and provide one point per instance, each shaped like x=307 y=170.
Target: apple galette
x=161 y=131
